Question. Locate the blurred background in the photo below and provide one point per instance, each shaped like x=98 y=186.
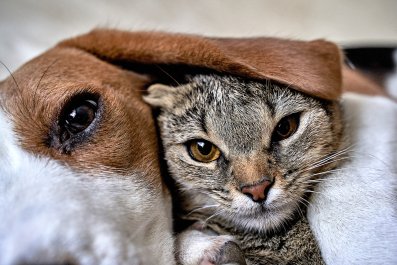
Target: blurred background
x=29 y=27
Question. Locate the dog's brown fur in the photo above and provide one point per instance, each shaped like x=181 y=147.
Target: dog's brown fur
x=257 y=58
x=286 y=61
x=354 y=81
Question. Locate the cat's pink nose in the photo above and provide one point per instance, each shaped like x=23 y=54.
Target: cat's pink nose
x=257 y=192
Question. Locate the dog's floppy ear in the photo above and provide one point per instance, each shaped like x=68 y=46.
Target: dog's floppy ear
x=312 y=67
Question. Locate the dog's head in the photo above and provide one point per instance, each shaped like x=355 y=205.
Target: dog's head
x=79 y=173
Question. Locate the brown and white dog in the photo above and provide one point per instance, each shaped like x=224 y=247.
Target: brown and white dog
x=79 y=173
x=80 y=179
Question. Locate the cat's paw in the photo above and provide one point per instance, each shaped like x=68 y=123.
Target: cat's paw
x=198 y=246
x=222 y=252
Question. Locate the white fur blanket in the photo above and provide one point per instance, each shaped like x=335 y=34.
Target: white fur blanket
x=354 y=213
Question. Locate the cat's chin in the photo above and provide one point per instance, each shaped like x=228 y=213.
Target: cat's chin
x=261 y=218
x=260 y=225
x=243 y=214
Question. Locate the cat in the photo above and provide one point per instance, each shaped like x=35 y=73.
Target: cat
x=245 y=156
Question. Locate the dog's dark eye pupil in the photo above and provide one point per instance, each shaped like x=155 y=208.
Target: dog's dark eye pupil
x=80 y=116
x=77 y=122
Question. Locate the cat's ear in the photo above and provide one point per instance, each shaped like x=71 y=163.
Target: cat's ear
x=160 y=96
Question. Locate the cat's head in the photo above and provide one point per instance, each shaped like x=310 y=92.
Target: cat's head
x=254 y=149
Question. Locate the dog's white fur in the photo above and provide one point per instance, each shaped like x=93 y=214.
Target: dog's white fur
x=354 y=213
x=50 y=213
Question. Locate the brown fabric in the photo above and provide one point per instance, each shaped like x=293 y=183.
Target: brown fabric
x=311 y=67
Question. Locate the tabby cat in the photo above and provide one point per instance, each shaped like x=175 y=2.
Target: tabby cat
x=245 y=156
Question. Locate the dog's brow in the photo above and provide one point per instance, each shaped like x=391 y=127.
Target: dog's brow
x=41 y=78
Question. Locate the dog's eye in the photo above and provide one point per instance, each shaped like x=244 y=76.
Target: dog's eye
x=76 y=123
x=203 y=151
x=79 y=117
x=286 y=127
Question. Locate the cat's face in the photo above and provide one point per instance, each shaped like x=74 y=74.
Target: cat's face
x=252 y=149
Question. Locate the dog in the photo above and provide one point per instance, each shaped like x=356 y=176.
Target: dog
x=80 y=174
x=79 y=168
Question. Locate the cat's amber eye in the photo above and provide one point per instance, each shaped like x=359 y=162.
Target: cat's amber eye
x=286 y=127
x=203 y=151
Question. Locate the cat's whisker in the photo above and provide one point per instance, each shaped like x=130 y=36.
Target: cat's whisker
x=212 y=216
x=304 y=201
x=336 y=154
x=278 y=226
x=316 y=192
x=311 y=181
x=360 y=154
x=328 y=158
x=189 y=190
x=319 y=180
x=327 y=163
x=201 y=208
x=220 y=195
x=343 y=151
x=324 y=173
x=299 y=208
x=309 y=178
x=312 y=191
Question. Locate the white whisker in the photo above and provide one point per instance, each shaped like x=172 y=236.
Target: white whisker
x=312 y=191
x=325 y=172
x=299 y=208
x=212 y=216
x=201 y=208
x=331 y=157
x=319 y=180
x=327 y=162
x=304 y=201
